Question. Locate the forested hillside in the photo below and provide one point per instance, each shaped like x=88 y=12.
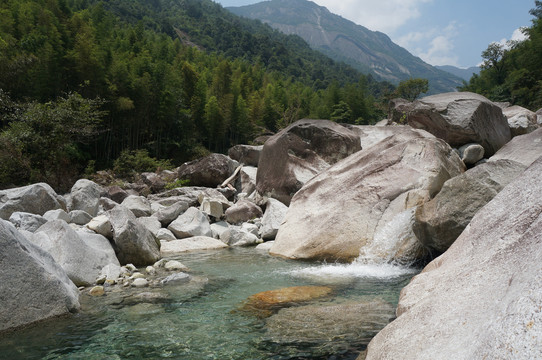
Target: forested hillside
x=513 y=72
x=83 y=80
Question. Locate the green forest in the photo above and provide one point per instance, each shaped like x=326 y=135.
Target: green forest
x=81 y=81
x=512 y=72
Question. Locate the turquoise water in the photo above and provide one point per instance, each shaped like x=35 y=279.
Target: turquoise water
x=201 y=319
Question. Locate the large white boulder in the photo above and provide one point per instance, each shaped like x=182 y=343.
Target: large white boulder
x=35 y=199
x=34 y=286
x=175 y=247
x=85 y=195
x=134 y=244
x=192 y=222
x=482 y=298
x=337 y=214
x=81 y=261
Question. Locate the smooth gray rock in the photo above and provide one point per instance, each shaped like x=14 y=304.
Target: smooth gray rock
x=209 y=171
x=35 y=199
x=139 y=205
x=196 y=243
x=337 y=214
x=481 y=299
x=57 y=214
x=218 y=228
x=192 y=222
x=81 y=261
x=101 y=225
x=165 y=234
x=522 y=121
x=133 y=242
x=246 y=182
x=243 y=211
x=274 y=215
x=101 y=244
x=79 y=217
x=460 y=118
x=246 y=154
x=524 y=149
x=470 y=154
x=169 y=213
x=440 y=221
x=116 y=193
x=27 y=221
x=212 y=207
x=178 y=278
x=235 y=236
x=297 y=153
x=85 y=195
x=34 y=286
x=150 y=223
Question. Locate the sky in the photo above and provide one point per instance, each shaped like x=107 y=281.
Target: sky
x=440 y=32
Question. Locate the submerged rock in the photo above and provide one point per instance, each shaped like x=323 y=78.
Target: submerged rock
x=264 y=303
x=481 y=298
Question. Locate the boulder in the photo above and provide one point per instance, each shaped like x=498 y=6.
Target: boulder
x=85 y=195
x=524 y=149
x=189 y=194
x=81 y=261
x=176 y=247
x=155 y=181
x=243 y=211
x=370 y=135
x=218 y=228
x=79 y=217
x=246 y=154
x=192 y=222
x=331 y=328
x=460 y=118
x=116 y=193
x=27 y=221
x=34 y=286
x=440 y=221
x=539 y=116
x=139 y=205
x=57 y=214
x=169 y=213
x=274 y=215
x=470 y=154
x=235 y=236
x=521 y=121
x=35 y=199
x=102 y=245
x=107 y=204
x=132 y=241
x=101 y=225
x=247 y=180
x=209 y=171
x=212 y=207
x=481 y=299
x=337 y=214
x=165 y=234
x=297 y=153
x=150 y=223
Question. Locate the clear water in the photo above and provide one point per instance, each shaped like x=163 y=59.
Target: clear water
x=201 y=320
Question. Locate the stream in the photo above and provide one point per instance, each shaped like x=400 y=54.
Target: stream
x=203 y=319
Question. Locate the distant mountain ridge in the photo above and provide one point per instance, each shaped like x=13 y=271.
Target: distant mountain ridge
x=465 y=74
x=369 y=51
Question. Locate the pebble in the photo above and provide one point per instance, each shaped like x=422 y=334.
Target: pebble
x=174 y=265
x=140 y=282
x=97 y=291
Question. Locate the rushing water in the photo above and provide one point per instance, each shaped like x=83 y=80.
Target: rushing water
x=201 y=319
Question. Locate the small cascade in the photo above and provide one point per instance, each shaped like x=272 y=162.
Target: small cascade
x=393 y=243
x=390 y=254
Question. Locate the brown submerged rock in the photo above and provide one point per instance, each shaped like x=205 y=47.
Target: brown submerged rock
x=264 y=303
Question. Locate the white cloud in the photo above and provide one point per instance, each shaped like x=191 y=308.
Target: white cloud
x=435 y=46
x=517 y=36
x=383 y=15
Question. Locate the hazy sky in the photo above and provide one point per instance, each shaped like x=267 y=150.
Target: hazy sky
x=441 y=32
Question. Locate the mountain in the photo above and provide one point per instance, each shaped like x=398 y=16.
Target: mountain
x=371 y=52
x=465 y=74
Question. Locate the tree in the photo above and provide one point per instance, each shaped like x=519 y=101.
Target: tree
x=412 y=88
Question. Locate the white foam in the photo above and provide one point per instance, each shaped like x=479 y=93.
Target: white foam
x=353 y=271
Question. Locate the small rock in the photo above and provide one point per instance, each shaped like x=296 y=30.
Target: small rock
x=97 y=291
x=150 y=270
x=137 y=275
x=165 y=234
x=178 y=278
x=101 y=280
x=140 y=282
x=130 y=267
x=174 y=265
x=79 y=217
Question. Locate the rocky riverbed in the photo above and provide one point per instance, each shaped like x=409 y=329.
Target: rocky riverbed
x=458 y=173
